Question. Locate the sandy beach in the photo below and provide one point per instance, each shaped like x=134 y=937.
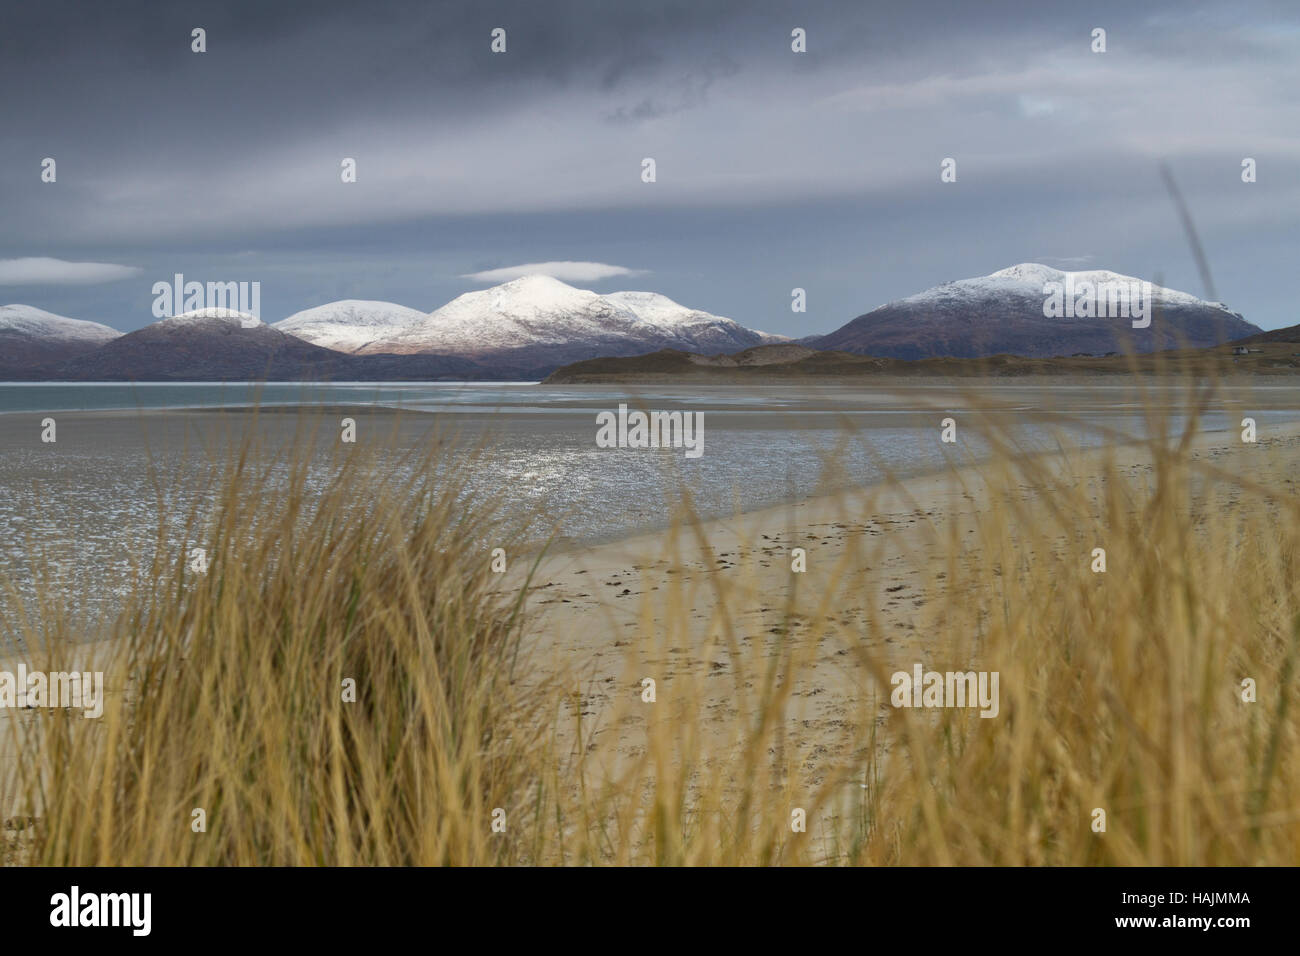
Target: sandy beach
x=664 y=605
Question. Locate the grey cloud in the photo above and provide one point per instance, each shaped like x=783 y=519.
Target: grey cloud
x=42 y=270
x=565 y=271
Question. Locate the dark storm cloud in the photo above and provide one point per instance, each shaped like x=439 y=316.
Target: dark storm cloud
x=124 y=71
x=820 y=169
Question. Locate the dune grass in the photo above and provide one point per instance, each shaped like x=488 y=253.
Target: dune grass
x=337 y=673
x=1120 y=691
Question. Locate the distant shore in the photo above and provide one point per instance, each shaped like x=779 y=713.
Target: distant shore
x=795 y=363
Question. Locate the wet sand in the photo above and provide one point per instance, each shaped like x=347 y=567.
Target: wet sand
x=670 y=605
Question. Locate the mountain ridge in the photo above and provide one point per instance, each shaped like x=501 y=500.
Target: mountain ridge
x=532 y=326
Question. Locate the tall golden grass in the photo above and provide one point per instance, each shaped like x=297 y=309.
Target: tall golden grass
x=1120 y=691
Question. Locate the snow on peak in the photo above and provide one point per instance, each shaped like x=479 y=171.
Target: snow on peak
x=538 y=293
x=350 y=324
x=535 y=284
x=1029 y=278
x=1029 y=271
x=244 y=320
x=1036 y=274
x=31 y=322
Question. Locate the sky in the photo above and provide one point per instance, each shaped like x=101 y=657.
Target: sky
x=774 y=169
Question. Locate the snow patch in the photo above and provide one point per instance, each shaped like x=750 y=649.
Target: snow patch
x=351 y=324
x=230 y=316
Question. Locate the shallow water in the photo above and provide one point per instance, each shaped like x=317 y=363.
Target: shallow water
x=89 y=503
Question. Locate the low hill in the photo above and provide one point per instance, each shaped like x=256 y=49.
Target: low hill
x=1290 y=334
x=796 y=363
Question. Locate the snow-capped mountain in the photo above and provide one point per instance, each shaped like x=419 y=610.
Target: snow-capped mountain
x=351 y=324
x=31 y=336
x=1030 y=277
x=1004 y=313
x=534 y=323
x=533 y=310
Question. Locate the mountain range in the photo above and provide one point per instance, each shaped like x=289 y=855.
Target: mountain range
x=529 y=327
x=534 y=322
